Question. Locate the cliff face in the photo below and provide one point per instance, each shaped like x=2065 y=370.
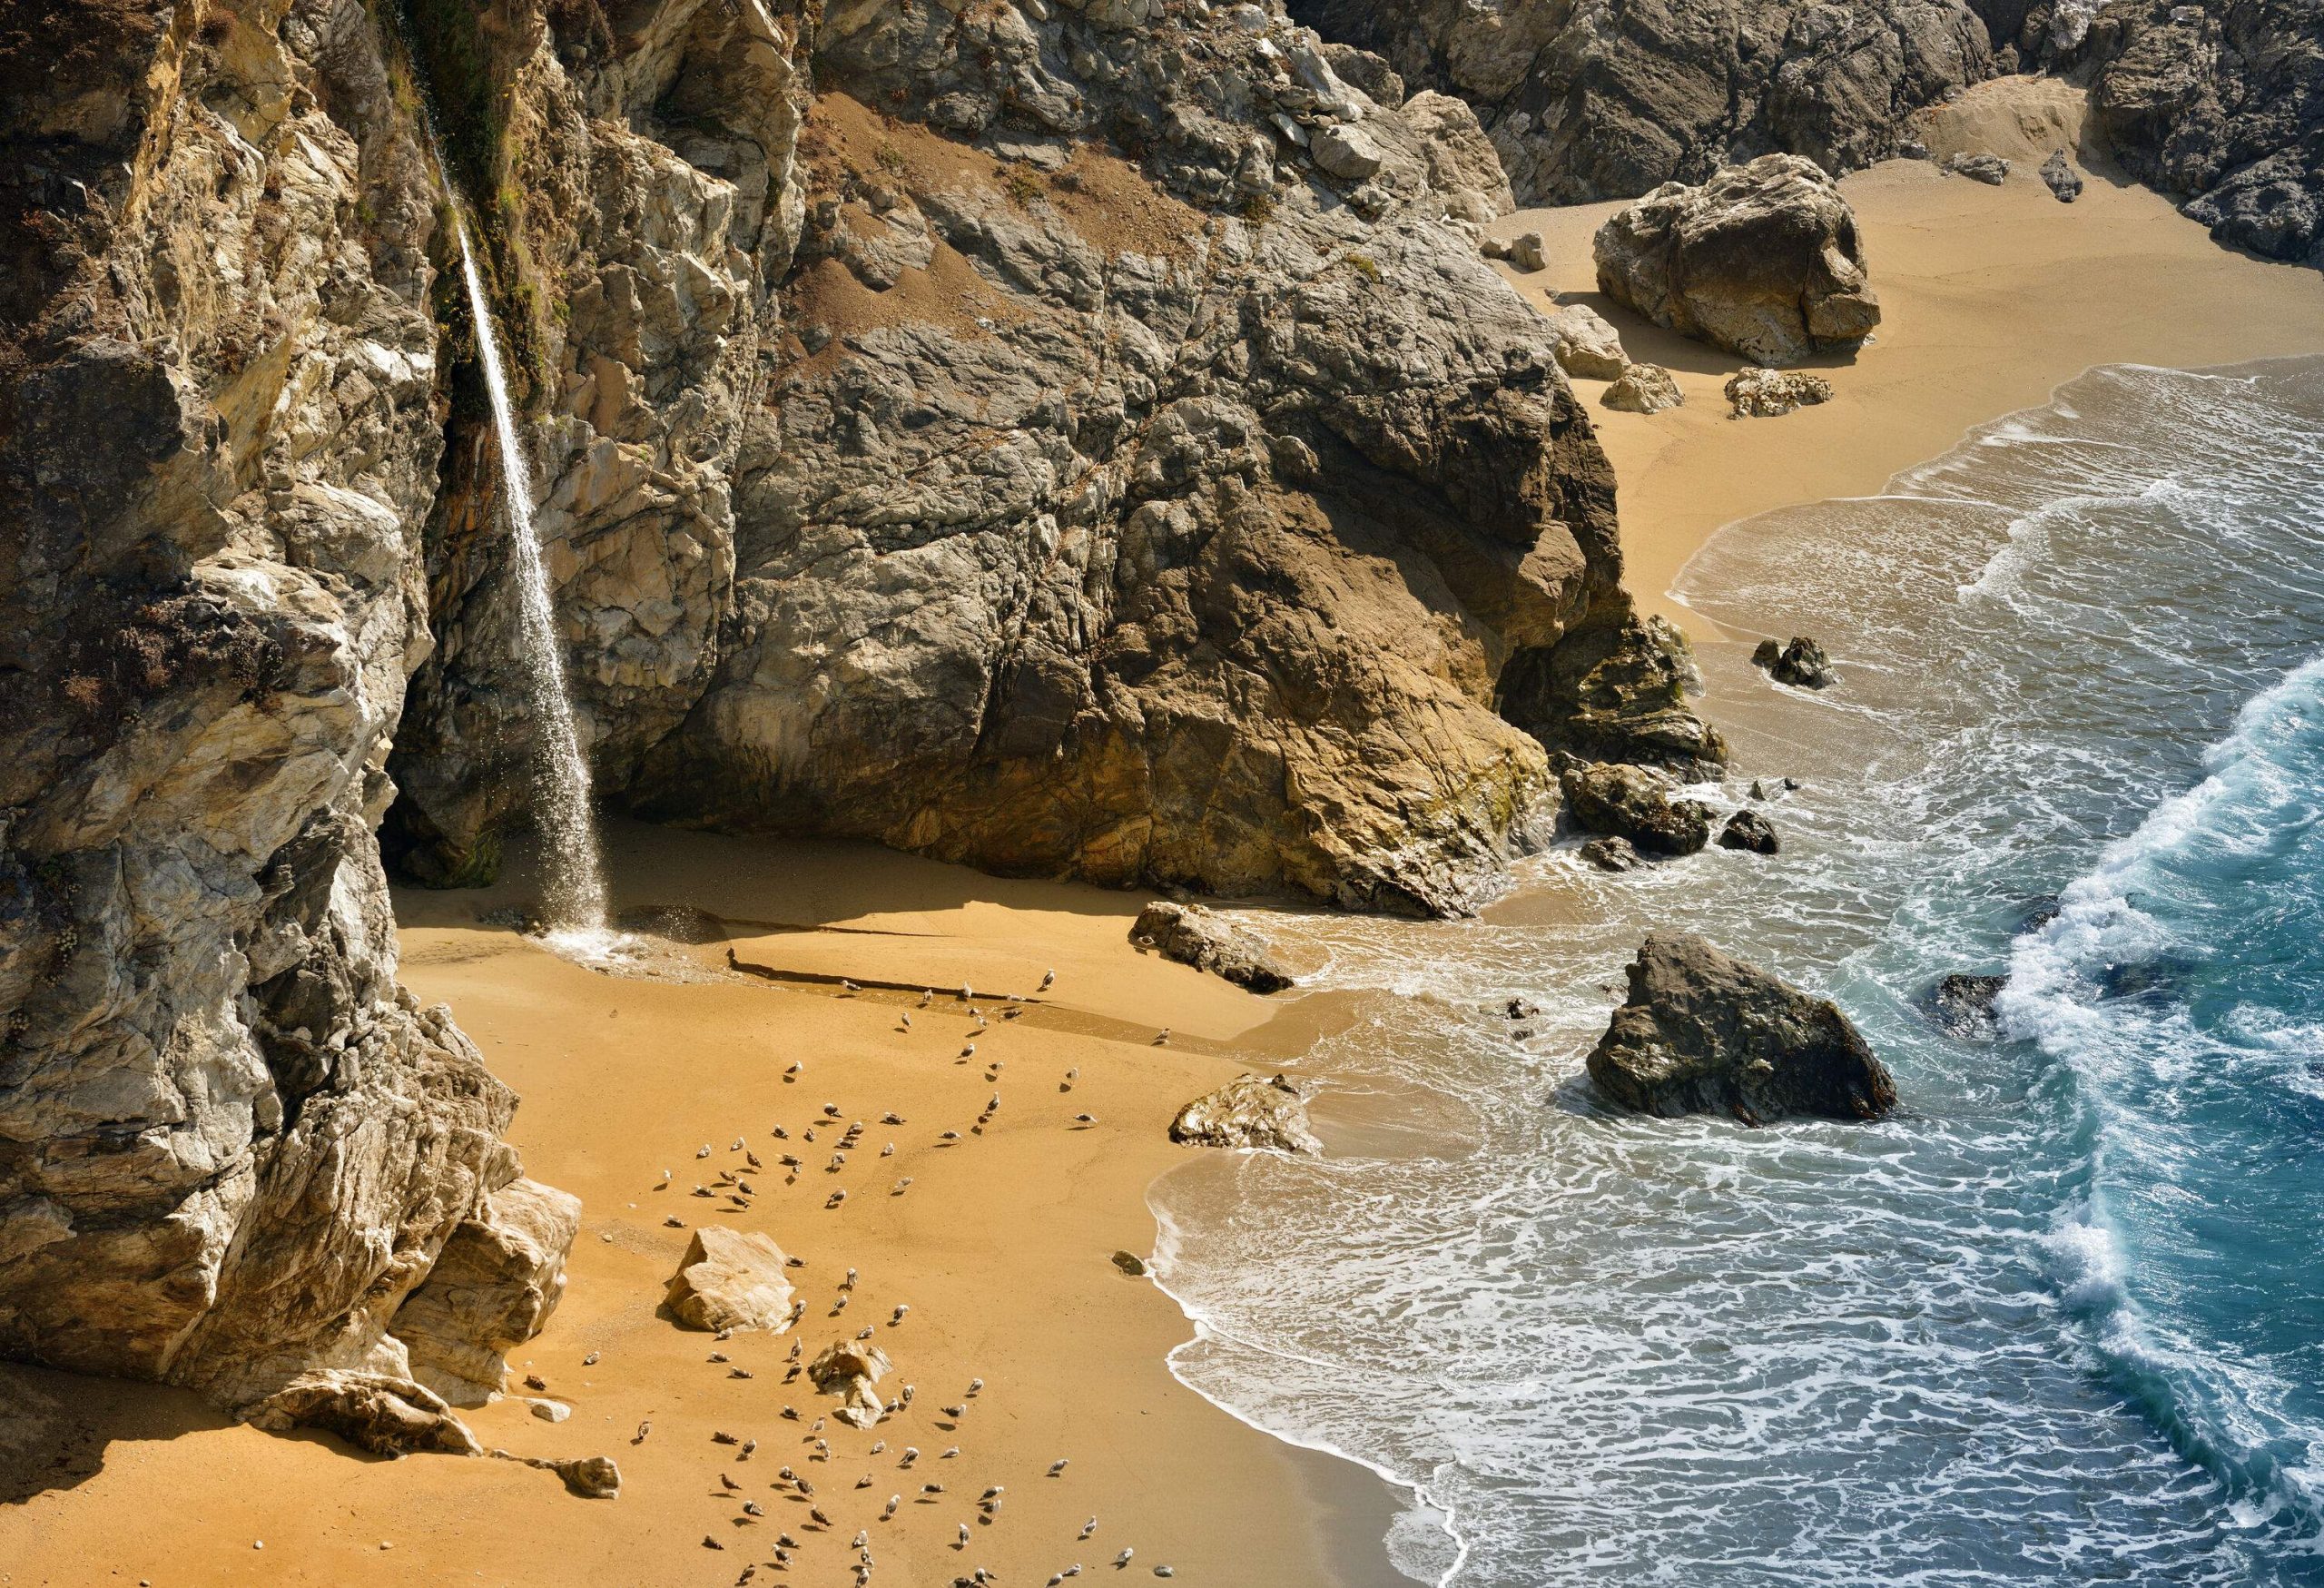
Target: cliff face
x=2222 y=104
x=229 y=1144
x=1106 y=457
x=1602 y=99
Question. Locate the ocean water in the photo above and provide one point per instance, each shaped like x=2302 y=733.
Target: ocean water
x=2061 y=1318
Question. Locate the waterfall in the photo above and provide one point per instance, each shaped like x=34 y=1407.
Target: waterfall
x=573 y=883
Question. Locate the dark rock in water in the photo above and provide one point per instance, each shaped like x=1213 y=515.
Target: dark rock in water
x=1522 y=1009
x=1703 y=1032
x=1615 y=692
x=1962 y=1005
x=1990 y=169
x=1802 y=664
x=1635 y=803
x=1764 y=260
x=1612 y=855
x=1192 y=936
x=2064 y=179
x=2039 y=912
x=1751 y=831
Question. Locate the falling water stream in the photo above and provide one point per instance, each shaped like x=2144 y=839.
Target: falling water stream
x=573 y=883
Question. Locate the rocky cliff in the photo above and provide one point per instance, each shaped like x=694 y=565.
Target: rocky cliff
x=1085 y=441
x=231 y=1145
x=1603 y=99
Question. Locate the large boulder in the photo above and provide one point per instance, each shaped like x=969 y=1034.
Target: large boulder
x=1762 y=260
x=1703 y=1032
x=731 y=1279
x=1193 y=935
x=1635 y=803
x=493 y=1286
x=1249 y=1111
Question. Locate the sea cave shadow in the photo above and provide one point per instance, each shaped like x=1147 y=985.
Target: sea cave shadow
x=56 y=1428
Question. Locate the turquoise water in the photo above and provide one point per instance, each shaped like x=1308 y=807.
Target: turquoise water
x=2062 y=1319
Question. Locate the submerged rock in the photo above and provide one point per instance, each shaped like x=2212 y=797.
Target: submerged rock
x=1763 y=260
x=730 y=1280
x=1703 y=1032
x=1644 y=389
x=1964 y=1005
x=1749 y=830
x=1636 y=803
x=1764 y=393
x=1801 y=663
x=1191 y=934
x=1250 y=1111
x=2063 y=179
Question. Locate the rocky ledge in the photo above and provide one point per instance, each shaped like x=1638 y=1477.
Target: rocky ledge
x=1702 y=1034
x=1191 y=935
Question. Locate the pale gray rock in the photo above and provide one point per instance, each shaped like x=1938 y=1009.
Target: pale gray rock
x=1758 y=393
x=494 y=1284
x=1346 y=152
x=730 y=1280
x=1763 y=260
x=1585 y=343
x=375 y=1412
x=1249 y=1111
x=1644 y=389
x=2062 y=178
x=1990 y=169
x=1191 y=934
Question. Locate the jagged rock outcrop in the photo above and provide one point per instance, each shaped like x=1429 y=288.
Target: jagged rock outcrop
x=1193 y=935
x=1606 y=99
x=1248 y=1111
x=1762 y=260
x=1617 y=691
x=231 y=1145
x=492 y=1287
x=1750 y=832
x=1759 y=394
x=1799 y=662
x=1127 y=481
x=1703 y=1032
x=1639 y=804
x=2220 y=103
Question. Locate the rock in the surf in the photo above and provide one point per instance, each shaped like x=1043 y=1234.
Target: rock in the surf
x=1193 y=935
x=1612 y=855
x=1635 y=803
x=1962 y=1004
x=1251 y=1111
x=1749 y=830
x=1705 y=1033
x=1761 y=394
x=731 y=1279
x=1802 y=664
x=1644 y=389
x=1763 y=260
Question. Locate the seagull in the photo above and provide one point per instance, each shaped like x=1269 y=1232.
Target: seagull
x=892 y=1118
x=906 y=1019
x=795 y=1070
x=969 y=1051
x=847 y=1283
x=888 y=1150
x=847 y=986
x=1089 y=1527
x=729 y=1485
x=927 y=996
x=949 y=1451
x=931 y=1488
x=964 y=1537
x=1123 y=1559
x=1162 y=1038
x=831 y=1110
x=950 y=1136
x=889 y=1510
x=817 y=1513
x=864 y=1482
x=902 y=1307
x=1047 y=977
x=738 y=1145
x=910 y=1455
x=993 y=1492
x=898 y=1189
x=1057 y=1466
x=1085 y=1119
x=643 y=1430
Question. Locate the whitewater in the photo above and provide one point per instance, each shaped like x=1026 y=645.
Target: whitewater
x=2061 y=1319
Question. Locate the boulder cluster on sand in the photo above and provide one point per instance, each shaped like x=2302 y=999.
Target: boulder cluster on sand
x=1192 y=935
x=1763 y=260
x=1703 y=1032
x=1249 y=1111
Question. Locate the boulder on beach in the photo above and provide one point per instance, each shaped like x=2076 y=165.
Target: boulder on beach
x=1990 y=169
x=1759 y=394
x=495 y=1285
x=2063 y=179
x=1250 y=1111
x=1763 y=260
x=376 y=1412
x=852 y=1369
x=1585 y=344
x=730 y=1280
x=1703 y=1032
x=1637 y=804
x=1526 y=252
x=1801 y=663
x=1190 y=934
x=1644 y=389
x=1749 y=830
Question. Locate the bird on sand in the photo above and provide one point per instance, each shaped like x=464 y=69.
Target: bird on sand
x=1048 y=979
x=1162 y=1037
x=1057 y=1466
x=1085 y=1119
x=1089 y=1527
x=889 y=1510
x=643 y=1430
x=1122 y=1559
x=905 y=1019
x=927 y=996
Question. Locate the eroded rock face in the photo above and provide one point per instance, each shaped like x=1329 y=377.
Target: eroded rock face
x=1617 y=692
x=1763 y=260
x=1248 y=1111
x=1109 y=474
x=1705 y=1033
x=229 y=1145
x=2222 y=104
x=1605 y=99
x=494 y=1284
x=1190 y=934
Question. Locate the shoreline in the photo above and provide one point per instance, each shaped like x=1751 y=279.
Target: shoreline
x=1992 y=298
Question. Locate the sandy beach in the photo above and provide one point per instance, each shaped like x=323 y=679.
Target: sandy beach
x=1990 y=298
x=639 y=1088
x=1000 y=1246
